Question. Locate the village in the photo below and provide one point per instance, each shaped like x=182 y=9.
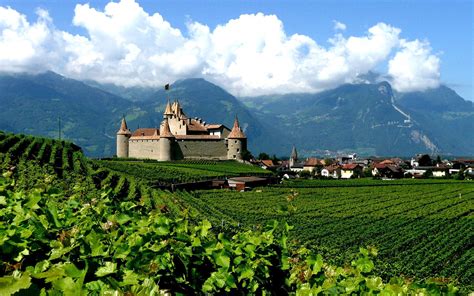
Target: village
x=351 y=166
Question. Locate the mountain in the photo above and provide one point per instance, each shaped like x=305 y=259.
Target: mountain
x=371 y=119
x=134 y=94
x=90 y=116
x=367 y=118
x=32 y=104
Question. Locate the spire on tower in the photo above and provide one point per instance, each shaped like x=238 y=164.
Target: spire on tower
x=236 y=132
x=294 y=154
x=168 y=110
x=123 y=128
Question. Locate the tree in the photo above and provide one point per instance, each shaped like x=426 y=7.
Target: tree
x=367 y=172
x=328 y=161
x=263 y=156
x=246 y=155
x=438 y=159
x=425 y=160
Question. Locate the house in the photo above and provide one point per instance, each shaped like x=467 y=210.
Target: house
x=311 y=164
x=351 y=170
x=439 y=171
x=384 y=170
x=332 y=171
x=266 y=164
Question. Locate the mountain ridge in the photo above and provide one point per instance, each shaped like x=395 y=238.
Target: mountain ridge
x=368 y=118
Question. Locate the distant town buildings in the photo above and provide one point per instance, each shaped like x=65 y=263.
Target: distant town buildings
x=351 y=166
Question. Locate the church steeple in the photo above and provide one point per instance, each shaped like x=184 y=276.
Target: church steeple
x=293 y=157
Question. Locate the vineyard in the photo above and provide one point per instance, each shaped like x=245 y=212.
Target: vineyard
x=69 y=224
x=424 y=231
x=162 y=173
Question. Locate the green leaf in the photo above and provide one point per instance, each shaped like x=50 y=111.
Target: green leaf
x=364 y=264
x=109 y=268
x=374 y=283
x=222 y=259
x=3 y=200
x=11 y=284
x=205 y=226
x=246 y=273
x=122 y=218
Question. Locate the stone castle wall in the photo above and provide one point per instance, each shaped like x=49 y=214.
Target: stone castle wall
x=208 y=149
x=144 y=149
x=182 y=149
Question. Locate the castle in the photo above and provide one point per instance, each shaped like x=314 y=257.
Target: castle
x=181 y=137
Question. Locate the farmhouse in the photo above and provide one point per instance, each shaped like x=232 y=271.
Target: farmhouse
x=182 y=137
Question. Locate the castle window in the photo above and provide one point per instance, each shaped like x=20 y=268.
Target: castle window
x=238 y=150
x=235 y=156
x=235 y=141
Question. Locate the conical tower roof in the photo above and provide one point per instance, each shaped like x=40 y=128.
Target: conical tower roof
x=123 y=128
x=168 y=110
x=236 y=132
x=165 y=130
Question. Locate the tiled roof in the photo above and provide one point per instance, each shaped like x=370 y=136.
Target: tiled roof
x=312 y=162
x=332 y=168
x=146 y=134
x=236 y=132
x=214 y=126
x=196 y=126
x=197 y=137
x=350 y=166
x=267 y=162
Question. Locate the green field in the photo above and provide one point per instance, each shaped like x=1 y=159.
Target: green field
x=180 y=171
x=425 y=228
x=70 y=224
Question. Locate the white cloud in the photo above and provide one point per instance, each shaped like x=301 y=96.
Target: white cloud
x=338 y=26
x=249 y=55
x=414 y=67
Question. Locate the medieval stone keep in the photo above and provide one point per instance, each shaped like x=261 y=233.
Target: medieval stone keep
x=180 y=137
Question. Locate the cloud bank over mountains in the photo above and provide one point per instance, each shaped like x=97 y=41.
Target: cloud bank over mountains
x=250 y=55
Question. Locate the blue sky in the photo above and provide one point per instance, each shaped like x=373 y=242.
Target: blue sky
x=446 y=25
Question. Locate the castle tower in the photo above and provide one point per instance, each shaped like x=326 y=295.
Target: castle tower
x=123 y=135
x=236 y=142
x=293 y=157
x=168 y=111
x=166 y=140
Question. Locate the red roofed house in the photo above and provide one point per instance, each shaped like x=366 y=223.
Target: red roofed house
x=332 y=171
x=351 y=170
x=311 y=164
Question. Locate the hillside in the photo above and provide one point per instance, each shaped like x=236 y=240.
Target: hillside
x=372 y=120
x=32 y=104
